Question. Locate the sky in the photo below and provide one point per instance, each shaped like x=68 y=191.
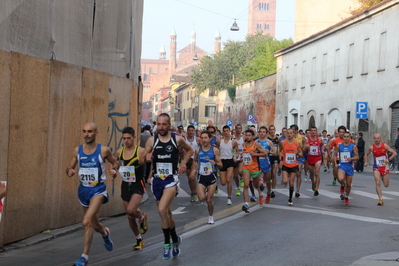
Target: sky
x=206 y=17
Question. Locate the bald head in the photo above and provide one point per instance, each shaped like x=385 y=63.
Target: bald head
x=377 y=138
x=92 y=125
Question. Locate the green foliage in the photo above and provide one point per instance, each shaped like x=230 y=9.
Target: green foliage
x=231 y=91
x=363 y=5
x=238 y=62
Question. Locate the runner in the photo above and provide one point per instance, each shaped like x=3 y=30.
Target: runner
x=274 y=158
x=191 y=139
x=228 y=153
x=290 y=150
x=265 y=165
x=205 y=159
x=133 y=180
x=305 y=155
x=314 y=146
x=213 y=142
x=180 y=131
x=92 y=190
x=333 y=156
x=326 y=161
x=380 y=164
x=250 y=169
x=334 y=143
x=301 y=159
x=165 y=179
x=238 y=166
x=347 y=154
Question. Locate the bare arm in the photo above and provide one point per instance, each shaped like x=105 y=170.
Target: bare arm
x=194 y=166
x=272 y=148
x=235 y=148
x=261 y=151
x=189 y=151
x=145 y=154
x=70 y=171
x=106 y=153
x=366 y=156
x=392 y=151
x=218 y=161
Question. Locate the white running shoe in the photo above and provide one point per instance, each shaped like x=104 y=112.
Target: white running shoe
x=229 y=202
x=210 y=220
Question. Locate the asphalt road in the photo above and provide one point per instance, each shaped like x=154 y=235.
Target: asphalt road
x=315 y=231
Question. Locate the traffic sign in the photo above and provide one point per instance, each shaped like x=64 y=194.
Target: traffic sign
x=195 y=124
x=249 y=117
x=362 y=110
x=229 y=123
x=254 y=120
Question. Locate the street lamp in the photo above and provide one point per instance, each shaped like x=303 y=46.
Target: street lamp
x=235 y=26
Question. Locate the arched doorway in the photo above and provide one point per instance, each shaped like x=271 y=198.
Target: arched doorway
x=312 y=122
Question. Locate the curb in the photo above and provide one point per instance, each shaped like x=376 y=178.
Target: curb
x=52 y=234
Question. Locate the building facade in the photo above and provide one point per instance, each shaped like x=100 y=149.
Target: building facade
x=312 y=16
x=262 y=17
x=320 y=79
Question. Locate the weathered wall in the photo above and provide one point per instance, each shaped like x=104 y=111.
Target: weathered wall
x=257 y=97
x=44 y=104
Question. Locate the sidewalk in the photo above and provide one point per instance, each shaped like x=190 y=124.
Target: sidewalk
x=52 y=234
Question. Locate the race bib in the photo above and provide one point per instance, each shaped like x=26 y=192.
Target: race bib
x=127 y=173
x=164 y=170
x=205 y=168
x=247 y=159
x=313 y=150
x=344 y=156
x=290 y=158
x=380 y=161
x=88 y=177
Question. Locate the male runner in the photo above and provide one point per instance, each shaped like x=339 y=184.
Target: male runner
x=314 y=145
x=180 y=131
x=347 y=154
x=228 y=153
x=165 y=180
x=290 y=150
x=334 y=143
x=92 y=191
x=274 y=158
x=133 y=184
x=191 y=139
x=264 y=163
x=205 y=159
x=380 y=165
x=238 y=166
x=250 y=169
x=301 y=159
x=326 y=160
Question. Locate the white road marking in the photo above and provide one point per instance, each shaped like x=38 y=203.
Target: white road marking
x=178 y=211
x=285 y=192
x=368 y=195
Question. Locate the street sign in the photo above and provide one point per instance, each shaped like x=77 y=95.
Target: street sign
x=249 y=117
x=229 y=123
x=254 y=120
x=362 y=110
x=195 y=124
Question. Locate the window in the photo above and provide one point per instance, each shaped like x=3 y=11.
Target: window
x=303 y=74
x=336 y=65
x=348 y=120
x=267 y=26
x=350 y=60
x=365 y=63
x=295 y=77
x=313 y=75
x=323 y=69
x=263 y=6
x=258 y=26
x=383 y=47
x=150 y=72
x=210 y=111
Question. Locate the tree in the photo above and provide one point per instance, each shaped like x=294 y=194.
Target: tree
x=237 y=63
x=363 y=5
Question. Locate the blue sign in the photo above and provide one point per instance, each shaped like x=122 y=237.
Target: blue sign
x=254 y=120
x=229 y=123
x=362 y=110
x=249 y=117
x=195 y=124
